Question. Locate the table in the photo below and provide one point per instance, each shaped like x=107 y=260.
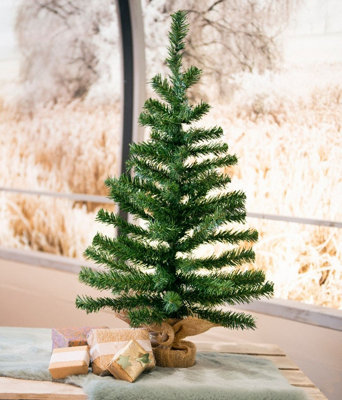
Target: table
x=24 y=389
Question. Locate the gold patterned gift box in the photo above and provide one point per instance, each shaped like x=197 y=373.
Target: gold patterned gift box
x=129 y=362
x=105 y=343
x=67 y=361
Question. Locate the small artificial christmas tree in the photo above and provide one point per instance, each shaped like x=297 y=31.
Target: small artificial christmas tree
x=150 y=269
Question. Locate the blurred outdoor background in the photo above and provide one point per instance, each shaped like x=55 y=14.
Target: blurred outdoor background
x=272 y=72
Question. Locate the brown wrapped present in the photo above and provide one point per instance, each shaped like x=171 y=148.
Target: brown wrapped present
x=105 y=343
x=69 y=361
x=129 y=362
x=69 y=337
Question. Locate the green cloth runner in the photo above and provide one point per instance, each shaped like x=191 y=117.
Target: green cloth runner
x=25 y=353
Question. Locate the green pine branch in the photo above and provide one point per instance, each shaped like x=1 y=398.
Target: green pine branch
x=177 y=34
x=227 y=295
x=229 y=319
x=128 y=249
x=128 y=199
x=221 y=281
x=235 y=257
x=197 y=135
x=149 y=170
x=198 y=167
x=204 y=149
x=119 y=303
x=145 y=315
x=152 y=150
x=191 y=76
x=219 y=217
x=207 y=233
x=234 y=200
x=162 y=87
x=205 y=182
x=162 y=110
x=197 y=112
x=136 y=184
x=117 y=281
x=125 y=227
x=107 y=259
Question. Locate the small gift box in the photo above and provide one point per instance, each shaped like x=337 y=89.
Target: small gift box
x=69 y=337
x=69 y=361
x=105 y=343
x=129 y=362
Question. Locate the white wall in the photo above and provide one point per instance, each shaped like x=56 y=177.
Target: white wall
x=9 y=65
x=314 y=33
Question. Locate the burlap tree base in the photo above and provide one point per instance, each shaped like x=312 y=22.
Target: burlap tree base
x=168 y=347
x=183 y=356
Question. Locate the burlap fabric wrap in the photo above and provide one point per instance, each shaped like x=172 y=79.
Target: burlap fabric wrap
x=105 y=343
x=169 y=348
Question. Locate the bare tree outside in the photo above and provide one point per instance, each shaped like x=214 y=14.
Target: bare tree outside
x=65 y=48
x=68 y=48
x=227 y=36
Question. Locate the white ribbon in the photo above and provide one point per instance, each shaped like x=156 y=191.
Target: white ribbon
x=65 y=356
x=106 y=348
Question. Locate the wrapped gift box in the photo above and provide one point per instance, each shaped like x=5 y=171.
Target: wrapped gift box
x=129 y=362
x=105 y=343
x=69 y=361
x=69 y=337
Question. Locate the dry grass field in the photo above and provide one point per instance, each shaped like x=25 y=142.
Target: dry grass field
x=284 y=127
x=65 y=149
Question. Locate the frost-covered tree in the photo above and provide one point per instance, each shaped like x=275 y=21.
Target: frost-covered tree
x=66 y=47
x=69 y=47
x=246 y=34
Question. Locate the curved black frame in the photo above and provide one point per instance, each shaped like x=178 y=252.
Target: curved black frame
x=125 y=22
x=128 y=78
